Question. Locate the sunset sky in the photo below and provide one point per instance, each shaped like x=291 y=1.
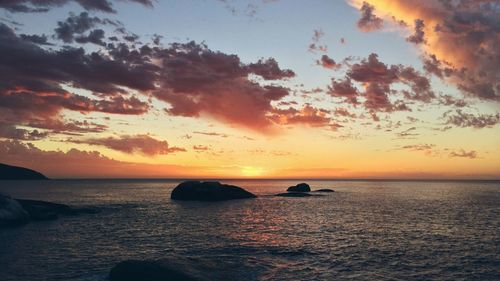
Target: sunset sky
x=257 y=89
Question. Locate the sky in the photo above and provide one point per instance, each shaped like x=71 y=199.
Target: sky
x=338 y=89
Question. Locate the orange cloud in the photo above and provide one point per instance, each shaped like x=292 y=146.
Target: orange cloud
x=460 y=39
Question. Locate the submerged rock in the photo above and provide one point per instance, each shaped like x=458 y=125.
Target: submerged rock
x=294 y=194
x=325 y=190
x=208 y=191
x=11 y=212
x=301 y=187
x=20 y=211
x=134 y=270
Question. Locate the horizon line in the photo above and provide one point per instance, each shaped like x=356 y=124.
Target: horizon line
x=277 y=179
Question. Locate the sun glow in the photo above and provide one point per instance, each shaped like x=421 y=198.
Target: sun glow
x=249 y=171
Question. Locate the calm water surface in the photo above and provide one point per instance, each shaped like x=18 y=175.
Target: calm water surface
x=367 y=230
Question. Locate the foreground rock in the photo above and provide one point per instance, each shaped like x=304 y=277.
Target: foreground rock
x=8 y=172
x=19 y=211
x=325 y=190
x=294 y=194
x=11 y=212
x=134 y=270
x=301 y=187
x=208 y=191
x=175 y=267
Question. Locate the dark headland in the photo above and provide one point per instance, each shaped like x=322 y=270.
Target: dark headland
x=8 y=172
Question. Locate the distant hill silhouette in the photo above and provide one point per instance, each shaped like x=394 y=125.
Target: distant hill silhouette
x=8 y=172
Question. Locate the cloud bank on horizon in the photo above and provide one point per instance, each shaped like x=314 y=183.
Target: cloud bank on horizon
x=71 y=86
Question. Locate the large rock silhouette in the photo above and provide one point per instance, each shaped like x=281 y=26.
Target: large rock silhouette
x=301 y=187
x=208 y=191
x=8 y=172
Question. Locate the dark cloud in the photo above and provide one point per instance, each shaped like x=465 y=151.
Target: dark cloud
x=34 y=79
x=10 y=131
x=75 y=24
x=143 y=144
x=344 y=89
x=37 y=39
x=369 y=21
x=36 y=6
x=463 y=119
x=449 y=100
x=96 y=36
x=418 y=36
x=71 y=127
x=269 y=70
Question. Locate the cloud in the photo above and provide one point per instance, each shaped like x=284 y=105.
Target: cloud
x=459 y=39
x=463 y=119
x=89 y=164
x=410 y=132
x=344 y=112
x=37 y=6
x=377 y=79
x=427 y=149
x=315 y=45
x=328 y=62
x=307 y=115
x=418 y=36
x=215 y=134
x=201 y=148
x=464 y=154
x=143 y=144
x=197 y=81
x=369 y=21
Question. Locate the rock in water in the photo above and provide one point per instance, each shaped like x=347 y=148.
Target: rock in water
x=11 y=212
x=208 y=191
x=294 y=194
x=325 y=190
x=135 y=270
x=301 y=187
x=8 y=172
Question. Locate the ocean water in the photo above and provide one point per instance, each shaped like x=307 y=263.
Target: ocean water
x=366 y=230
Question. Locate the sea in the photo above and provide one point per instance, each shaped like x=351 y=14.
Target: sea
x=365 y=230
